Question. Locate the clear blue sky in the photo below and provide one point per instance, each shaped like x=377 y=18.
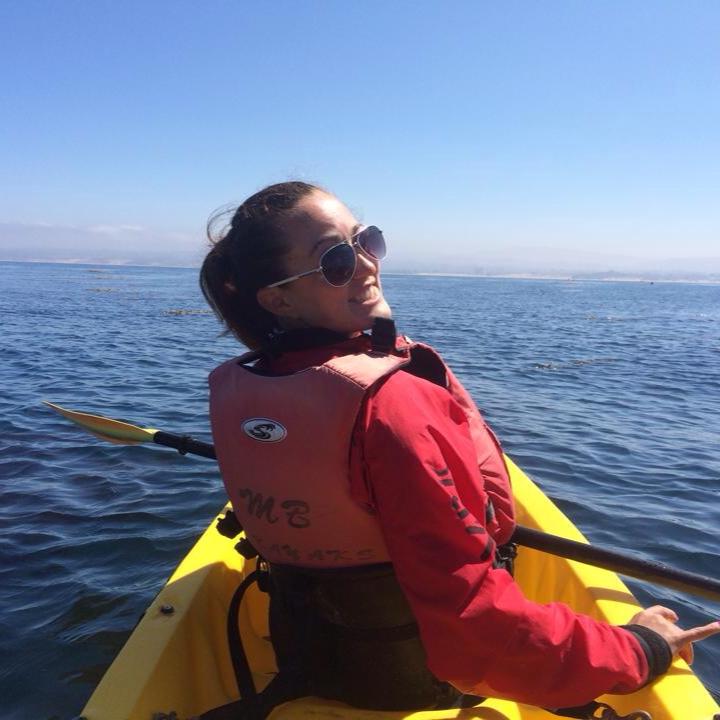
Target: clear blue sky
x=471 y=126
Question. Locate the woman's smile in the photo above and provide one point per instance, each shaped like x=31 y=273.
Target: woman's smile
x=368 y=294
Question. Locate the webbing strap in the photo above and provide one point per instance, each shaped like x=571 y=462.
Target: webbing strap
x=251 y=705
x=240 y=664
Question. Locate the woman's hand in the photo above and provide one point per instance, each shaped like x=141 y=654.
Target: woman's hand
x=662 y=620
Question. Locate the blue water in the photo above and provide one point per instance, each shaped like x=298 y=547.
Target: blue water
x=608 y=394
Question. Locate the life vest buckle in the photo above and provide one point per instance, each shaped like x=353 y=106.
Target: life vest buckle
x=246 y=549
x=229 y=526
x=263 y=575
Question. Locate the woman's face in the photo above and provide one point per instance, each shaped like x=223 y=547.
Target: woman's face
x=321 y=222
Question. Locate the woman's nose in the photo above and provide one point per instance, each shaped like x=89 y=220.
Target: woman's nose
x=365 y=265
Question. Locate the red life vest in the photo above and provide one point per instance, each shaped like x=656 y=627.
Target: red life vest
x=283 y=446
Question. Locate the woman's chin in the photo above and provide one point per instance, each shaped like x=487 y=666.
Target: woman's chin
x=382 y=310
x=371 y=311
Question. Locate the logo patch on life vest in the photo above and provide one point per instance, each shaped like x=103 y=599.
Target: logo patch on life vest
x=264 y=430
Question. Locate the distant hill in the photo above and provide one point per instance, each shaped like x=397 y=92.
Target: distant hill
x=102 y=244
x=131 y=245
x=563 y=263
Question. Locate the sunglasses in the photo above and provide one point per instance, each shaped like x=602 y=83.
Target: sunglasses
x=338 y=263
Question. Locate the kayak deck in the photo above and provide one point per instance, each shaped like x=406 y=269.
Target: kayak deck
x=177 y=659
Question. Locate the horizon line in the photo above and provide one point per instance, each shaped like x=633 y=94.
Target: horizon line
x=694 y=278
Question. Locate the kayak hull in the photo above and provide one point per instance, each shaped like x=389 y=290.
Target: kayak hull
x=177 y=659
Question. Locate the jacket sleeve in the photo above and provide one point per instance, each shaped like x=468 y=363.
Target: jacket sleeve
x=414 y=457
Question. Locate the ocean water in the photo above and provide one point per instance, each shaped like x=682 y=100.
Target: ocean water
x=608 y=394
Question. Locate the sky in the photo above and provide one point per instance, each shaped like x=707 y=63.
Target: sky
x=473 y=133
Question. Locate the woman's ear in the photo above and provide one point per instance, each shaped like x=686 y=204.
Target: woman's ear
x=274 y=300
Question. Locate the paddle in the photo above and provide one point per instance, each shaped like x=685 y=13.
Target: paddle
x=123 y=433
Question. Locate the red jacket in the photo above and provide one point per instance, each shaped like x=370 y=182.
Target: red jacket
x=479 y=632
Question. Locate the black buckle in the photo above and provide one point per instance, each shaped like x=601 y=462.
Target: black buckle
x=246 y=549
x=229 y=526
x=263 y=575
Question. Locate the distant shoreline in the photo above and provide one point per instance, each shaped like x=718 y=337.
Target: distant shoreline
x=611 y=276
x=568 y=278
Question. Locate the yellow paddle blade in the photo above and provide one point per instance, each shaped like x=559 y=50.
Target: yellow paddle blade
x=114 y=431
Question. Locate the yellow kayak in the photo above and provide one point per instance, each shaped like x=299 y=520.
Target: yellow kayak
x=177 y=659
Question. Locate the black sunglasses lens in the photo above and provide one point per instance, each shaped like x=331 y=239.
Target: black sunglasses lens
x=338 y=264
x=372 y=242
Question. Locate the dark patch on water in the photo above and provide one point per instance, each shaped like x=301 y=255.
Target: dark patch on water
x=187 y=312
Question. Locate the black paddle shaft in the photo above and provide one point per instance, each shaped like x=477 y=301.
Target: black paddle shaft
x=185 y=444
x=621 y=563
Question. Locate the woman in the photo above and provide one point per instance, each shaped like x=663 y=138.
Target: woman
x=344 y=452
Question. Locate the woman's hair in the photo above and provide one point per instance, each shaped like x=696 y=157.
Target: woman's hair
x=248 y=255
